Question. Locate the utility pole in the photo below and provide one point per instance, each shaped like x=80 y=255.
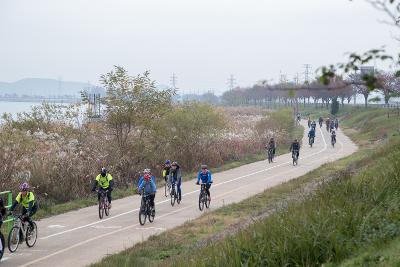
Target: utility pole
x=231 y=82
x=296 y=79
x=174 y=80
x=307 y=73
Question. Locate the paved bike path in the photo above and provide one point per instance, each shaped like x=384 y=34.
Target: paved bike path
x=79 y=238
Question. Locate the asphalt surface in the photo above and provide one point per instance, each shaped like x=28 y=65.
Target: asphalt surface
x=79 y=238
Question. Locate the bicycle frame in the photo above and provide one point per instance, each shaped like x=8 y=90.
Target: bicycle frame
x=22 y=226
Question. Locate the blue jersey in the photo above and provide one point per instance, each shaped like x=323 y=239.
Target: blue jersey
x=141 y=178
x=149 y=187
x=311 y=133
x=204 y=177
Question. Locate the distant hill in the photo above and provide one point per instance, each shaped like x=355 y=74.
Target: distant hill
x=46 y=87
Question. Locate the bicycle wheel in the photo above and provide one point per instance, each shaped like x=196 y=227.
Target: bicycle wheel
x=142 y=216
x=150 y=214
x=207 y=201
x=201 y=202
x=101 y=209
x=31 y=235
x=13 y=239
x=106 y=207
x=2 y=244
x=173 y=197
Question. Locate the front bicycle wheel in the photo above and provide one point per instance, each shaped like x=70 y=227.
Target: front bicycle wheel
x=13 y=239
x=201 y=202
x=207 y=201
x=31 y=235
x=142 y=216
x=106 y=207
x=151 y=214
x=173 y=197
x=101 y=209
x=2 y=244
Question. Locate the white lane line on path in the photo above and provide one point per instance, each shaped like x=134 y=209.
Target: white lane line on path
x=189 y=193
x=135 y=225
x=97 y=237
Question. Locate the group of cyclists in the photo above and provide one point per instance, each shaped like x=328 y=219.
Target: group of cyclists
x=147 y=186
x=171 y=173
x=331 y=125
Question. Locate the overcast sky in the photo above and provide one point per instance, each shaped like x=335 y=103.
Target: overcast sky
x=202 y=41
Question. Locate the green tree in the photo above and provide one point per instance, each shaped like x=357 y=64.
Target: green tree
x=133 y=103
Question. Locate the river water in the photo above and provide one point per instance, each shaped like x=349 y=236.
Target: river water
x=15 y=107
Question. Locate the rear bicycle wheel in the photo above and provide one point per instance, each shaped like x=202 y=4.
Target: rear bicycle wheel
x=201 y=202
x=13 y=239
x=31 y=235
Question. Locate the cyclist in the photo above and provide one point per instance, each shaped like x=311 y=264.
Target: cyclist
x=332 y=126
x=105 y=182
x=327 y=122
x=295 y=146
x=165 y=172
x=271 y=145
x=150 y=189
x=206 y=178
x=333 y=136
x=311 y=134
x=27 y=199
x=146 y=171
x=309 y=122
x=298 y=117
x=313 y=125
x=176 y=178
x=320 y=121
x=336 y=123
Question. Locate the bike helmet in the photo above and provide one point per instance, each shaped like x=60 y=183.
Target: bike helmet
x=24 y=187
x=204 y=166
x=147 y=177
x=167 y=162
x=174 y=163
x=146 y=171
x=103 y=171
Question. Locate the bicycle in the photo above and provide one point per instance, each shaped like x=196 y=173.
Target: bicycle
x=174 y=195
x=104 y=205
x=333 y=141
x=146 y=211
x=295 y=157
x=204 y=199
x=270 y=155
x=21 y=231
x=167 y=186
x=311 y=141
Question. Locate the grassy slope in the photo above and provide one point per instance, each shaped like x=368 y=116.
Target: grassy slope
x=179 y=243
x=353 y=212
